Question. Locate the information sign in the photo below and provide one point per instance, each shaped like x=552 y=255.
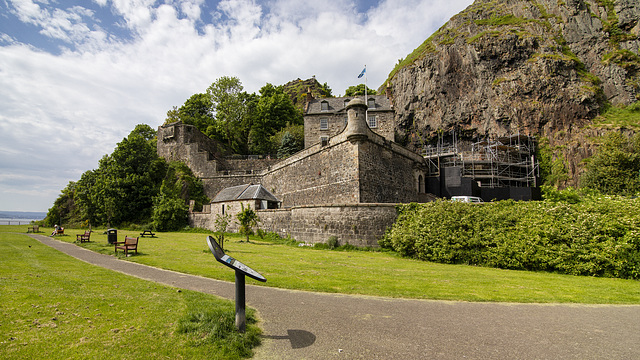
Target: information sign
x=231 y=262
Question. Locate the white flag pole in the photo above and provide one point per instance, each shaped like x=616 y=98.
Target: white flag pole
x=366 y=112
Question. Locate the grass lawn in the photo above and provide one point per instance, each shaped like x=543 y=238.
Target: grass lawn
x=53 y=306
x=367 y=273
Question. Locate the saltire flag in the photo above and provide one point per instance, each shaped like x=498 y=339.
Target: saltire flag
x=362 y=73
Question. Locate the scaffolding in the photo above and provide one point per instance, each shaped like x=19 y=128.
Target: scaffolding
x=506 y=161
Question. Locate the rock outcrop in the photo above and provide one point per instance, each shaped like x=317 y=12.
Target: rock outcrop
x=544 y=68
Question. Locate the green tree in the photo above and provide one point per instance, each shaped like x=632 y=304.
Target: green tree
x=296 y=131
x=247 y=219
x=356 y=90
x=63 y=211
x=85 y=197
x=615 y=167
x=553 y=171
x=274 y=110
x=196 y=111
x=170 y=212
x=288 y=147
x=221 y=224
x=123 y=186
x=145 y=131
x=231 y=108
x=326 y=90
x=131 y=185
x=180 y=182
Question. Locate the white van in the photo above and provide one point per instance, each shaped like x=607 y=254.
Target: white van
x=467 y=199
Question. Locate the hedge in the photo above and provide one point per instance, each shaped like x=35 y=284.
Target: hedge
x=596 y=237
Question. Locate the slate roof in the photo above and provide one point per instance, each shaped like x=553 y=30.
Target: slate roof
x=244 y=192
x=337 y=104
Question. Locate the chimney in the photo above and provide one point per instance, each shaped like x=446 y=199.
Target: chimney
x=309 y=95
x=308 y=99
x=388 y=92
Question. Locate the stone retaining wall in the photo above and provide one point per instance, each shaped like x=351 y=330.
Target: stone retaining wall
x=357 y=224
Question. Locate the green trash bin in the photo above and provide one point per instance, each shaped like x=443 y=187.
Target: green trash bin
x=112 y=236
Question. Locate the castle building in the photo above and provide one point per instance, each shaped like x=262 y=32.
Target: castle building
x=348 y=178
x=345 y=186
x=327 y=117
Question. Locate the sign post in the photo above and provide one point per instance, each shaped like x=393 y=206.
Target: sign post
x=241 y=270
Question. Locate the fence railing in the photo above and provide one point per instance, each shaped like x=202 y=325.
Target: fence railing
x=16 y=222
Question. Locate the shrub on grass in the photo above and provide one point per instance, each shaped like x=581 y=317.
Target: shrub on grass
x=599 y=236
x=333 y=242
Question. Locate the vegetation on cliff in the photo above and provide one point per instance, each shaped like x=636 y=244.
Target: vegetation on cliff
x=543 y=68
x=298 y=89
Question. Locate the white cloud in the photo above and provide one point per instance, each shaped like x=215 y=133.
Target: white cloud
x=59 y=114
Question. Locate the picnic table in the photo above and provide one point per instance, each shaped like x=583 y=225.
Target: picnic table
x=147 y=232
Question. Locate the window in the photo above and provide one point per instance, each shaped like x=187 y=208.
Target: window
x=371 y=103
x=324 y=106
x=324 y=140
x=346 y=102
x=324 y=124
x=373 y=122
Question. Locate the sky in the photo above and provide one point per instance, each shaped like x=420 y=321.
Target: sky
x=77 y=76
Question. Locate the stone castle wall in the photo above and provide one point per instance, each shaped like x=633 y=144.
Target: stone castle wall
x=212 y=185
x=356 y=224
x=386 y=123
x=387 y=174
x=180 y=142
x=318 y=175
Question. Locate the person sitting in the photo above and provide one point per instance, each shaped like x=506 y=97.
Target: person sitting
x=55 y=229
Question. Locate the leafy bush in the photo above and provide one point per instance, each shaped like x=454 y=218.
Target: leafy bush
x=615 y=167
x=170 y=214
x=333 y=242
x=597 y=236
x=248 y=219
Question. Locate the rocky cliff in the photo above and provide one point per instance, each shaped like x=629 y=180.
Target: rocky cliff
x=545 y=68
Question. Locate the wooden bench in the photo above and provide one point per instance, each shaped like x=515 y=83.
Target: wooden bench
x=83 y=237
x=33 y=229
x=147 y=232
x=129 y=243
x=59 y=231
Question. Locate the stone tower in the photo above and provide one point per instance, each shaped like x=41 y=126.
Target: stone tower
x=357 y=129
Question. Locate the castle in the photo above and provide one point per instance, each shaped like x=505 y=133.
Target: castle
x=345 y=183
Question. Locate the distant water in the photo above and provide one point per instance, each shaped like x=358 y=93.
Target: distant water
x=20 y=217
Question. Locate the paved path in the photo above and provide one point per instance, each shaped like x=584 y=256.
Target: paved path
x=305 y=325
